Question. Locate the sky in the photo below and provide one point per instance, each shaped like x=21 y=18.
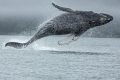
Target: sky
x=44 y=6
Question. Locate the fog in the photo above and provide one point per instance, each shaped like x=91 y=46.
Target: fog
x=18 y=17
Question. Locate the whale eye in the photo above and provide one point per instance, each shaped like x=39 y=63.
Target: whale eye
x=102 y=19
x=93 y=21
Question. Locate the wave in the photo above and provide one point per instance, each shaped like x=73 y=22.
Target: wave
x=79 y=53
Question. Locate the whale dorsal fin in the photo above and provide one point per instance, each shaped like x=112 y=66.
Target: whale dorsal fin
x=63 y=8
x=70 y=10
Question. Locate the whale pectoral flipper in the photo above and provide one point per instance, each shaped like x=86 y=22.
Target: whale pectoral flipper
x=63 y=8
x=73 y=38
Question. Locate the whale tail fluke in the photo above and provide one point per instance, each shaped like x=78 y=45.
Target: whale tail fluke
x=16 y=45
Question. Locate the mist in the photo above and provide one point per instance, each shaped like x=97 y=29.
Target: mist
x=18 y=17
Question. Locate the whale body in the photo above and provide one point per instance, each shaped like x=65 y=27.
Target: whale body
x=70 y=22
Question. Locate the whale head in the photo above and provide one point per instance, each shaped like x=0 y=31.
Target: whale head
x=105 y=18
x=98 y=19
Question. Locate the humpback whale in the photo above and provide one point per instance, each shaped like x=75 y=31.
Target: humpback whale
x=71 y=22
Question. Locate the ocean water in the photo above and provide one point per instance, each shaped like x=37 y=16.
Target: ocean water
x=85 y=59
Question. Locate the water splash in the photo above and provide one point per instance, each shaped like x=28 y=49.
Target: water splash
x=36 y=46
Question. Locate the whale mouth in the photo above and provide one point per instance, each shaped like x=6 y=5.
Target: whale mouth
x=110 y=18
x=107 y=17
